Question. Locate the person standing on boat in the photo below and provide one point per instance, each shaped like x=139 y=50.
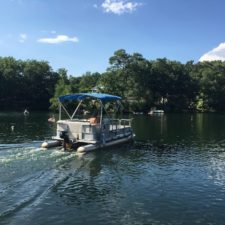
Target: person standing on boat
x=94 y=118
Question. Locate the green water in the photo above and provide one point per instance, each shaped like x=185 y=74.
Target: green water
x=173 y=173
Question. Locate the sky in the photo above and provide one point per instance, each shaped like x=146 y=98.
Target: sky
x=81 y=35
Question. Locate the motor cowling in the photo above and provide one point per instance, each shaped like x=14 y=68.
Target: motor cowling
x=63 y=134
x=66 y=140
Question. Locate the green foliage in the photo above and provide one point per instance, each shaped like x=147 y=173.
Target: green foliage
x=88 y=81
x=75 y=84
x=211 y=77
x=161 y=83
x=25 y=83
x=127 y=76
x=62 y=87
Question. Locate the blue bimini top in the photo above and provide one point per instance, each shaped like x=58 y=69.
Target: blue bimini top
x=80 y=96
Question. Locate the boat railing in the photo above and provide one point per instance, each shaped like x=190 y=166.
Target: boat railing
x=116 y=124
x=125 y=122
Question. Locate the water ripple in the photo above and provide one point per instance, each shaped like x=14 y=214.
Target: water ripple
x=171 y=177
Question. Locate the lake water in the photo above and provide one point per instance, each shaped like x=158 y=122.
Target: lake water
x=173 y=173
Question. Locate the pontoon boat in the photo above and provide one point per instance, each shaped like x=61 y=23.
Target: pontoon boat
x=92 y=125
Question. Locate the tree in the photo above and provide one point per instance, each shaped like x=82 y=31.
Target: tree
x=211 y=76
x=128 y=76
x=62 y=87
x=88 y=81
x=10 y=77
x=38 y=85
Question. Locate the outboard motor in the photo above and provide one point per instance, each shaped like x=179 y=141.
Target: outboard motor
x=63 y=134
x=65 y=137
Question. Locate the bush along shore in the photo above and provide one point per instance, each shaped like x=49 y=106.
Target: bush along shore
x=169 y=85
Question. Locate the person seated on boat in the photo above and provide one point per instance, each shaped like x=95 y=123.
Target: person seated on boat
x=94 y=118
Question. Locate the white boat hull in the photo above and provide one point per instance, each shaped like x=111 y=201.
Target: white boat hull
x=50 y=144
x=88 y=147
x=91 y=147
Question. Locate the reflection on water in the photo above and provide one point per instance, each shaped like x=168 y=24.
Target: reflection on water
x=25 y=128
x=172 y=174
x=177 y=128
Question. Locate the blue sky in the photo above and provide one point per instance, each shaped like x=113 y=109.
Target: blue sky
x=81 y=35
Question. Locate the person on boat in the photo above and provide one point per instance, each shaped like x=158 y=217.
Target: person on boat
x=94 y=118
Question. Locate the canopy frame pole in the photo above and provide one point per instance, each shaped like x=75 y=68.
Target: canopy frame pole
x=76 y=109
x=60 y=110
x=101 y=112
x=66 y=111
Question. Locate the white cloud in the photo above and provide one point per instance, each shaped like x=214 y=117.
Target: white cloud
x=217 y=53
x=119 y=6
x=58 y=39
x=23 y=38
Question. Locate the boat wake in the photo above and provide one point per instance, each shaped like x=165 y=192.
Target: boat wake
x=27 y=177
x=155 y=146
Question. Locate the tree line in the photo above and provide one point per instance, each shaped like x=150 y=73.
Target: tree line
x=162 y=83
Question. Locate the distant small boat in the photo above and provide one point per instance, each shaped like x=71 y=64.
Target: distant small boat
x=138 y=113
x=26 y=112
x=51 y=119
x=156 y=111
